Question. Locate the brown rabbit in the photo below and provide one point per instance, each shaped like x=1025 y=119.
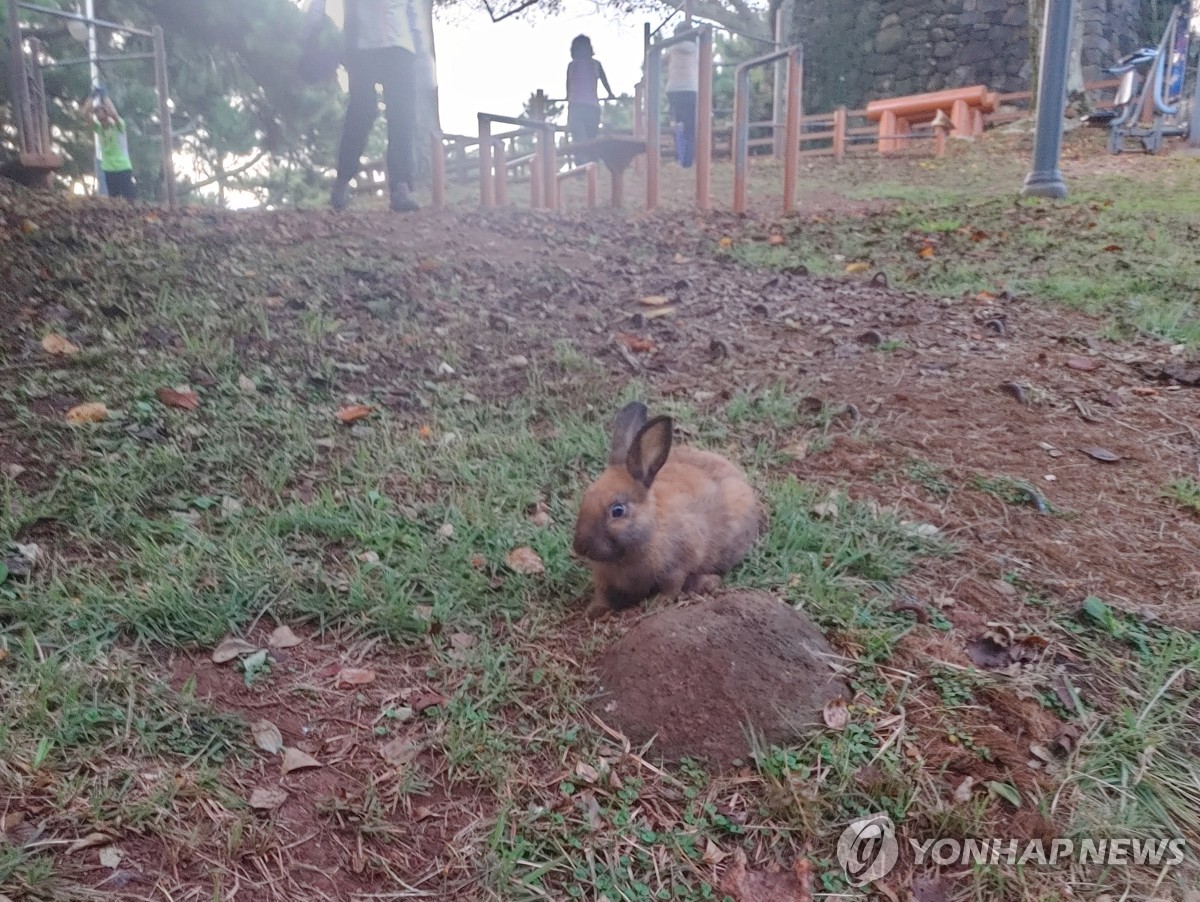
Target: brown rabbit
x=662 y=521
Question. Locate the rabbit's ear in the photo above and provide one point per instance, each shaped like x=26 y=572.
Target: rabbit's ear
x=649 y=450
x=631 y=418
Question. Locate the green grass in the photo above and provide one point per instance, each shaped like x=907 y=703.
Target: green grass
x=261 y=508
x=1118 y=247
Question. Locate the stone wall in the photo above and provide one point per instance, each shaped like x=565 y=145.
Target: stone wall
x=857 y=51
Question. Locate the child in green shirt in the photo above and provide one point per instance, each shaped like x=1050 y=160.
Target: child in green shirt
x=114 y=146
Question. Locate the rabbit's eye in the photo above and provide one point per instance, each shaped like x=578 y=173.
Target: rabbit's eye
x=617 y=510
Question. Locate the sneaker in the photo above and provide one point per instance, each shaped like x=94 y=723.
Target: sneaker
x=403 y=201
x=339 y=197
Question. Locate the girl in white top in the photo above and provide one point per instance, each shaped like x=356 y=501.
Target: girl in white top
x=683 y=83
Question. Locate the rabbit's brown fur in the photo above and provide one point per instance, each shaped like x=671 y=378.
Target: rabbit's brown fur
x=686 y=517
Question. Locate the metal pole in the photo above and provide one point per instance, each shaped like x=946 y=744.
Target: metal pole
x=164 y=114
x=20 y=84
x=741 y=137
x=94 y=69
x=704 y=121
x=777 y=103
x=653 y=126
x=1046 y=179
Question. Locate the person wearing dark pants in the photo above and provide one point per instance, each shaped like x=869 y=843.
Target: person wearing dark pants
x=383 y=39
x=683 y=84
x=391 y=67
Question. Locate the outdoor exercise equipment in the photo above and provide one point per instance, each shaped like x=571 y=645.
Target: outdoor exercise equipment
x=653 y=96
x=29 y=95
x=1148 y=104
x=493 y=168
x=741 y=124
x=964 y=107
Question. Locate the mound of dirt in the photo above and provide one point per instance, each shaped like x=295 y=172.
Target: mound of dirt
x=697 y=675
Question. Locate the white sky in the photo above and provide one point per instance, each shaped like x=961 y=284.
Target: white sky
x=486 y=67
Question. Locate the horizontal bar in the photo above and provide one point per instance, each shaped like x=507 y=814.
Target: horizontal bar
x=75 y=17
x=100 y=59
x=599 y=100
x=578 y=170
x=682 y=38
x=765 y=59
x=516 y=120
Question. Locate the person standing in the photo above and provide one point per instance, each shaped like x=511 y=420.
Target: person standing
x=388 y=44
x=114 y=145
x=683 y=85
x=583 y=100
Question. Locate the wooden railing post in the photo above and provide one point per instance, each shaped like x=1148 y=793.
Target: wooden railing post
x=839 y=134
x=437 y=158
x=486 y=196
x=500 y=167
x=791 y=155
x=164 y=115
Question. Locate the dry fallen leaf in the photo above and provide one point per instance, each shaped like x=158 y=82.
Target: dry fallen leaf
x=399 y=752
x=725 y=243
x=659 y=311
x=89 y=842
x=586 y=772
x=354 y=413
x=349 y=677
x=776 y=240
x=283 y=637
x=1087 y=364
x=925 y=252
x=110 y=857
x=463 y=640
x=1101 y=454
x=825 y=510
x=294 y=759
x=267 y=736
x=835 y=714
x=232 y=648
x=712 y=852
x=857 y=266
x=93 y=412
x=653 y=300
x=962 y=792
x=58 y=345
x=636 y=343
x=1112 y=248
x=182 y=398
x=525 y=560
x=428 y=700
x=265 y=798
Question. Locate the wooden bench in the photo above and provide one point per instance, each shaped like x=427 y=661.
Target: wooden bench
x=897 y=115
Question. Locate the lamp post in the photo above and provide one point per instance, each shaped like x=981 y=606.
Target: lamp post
x=1046 y=179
